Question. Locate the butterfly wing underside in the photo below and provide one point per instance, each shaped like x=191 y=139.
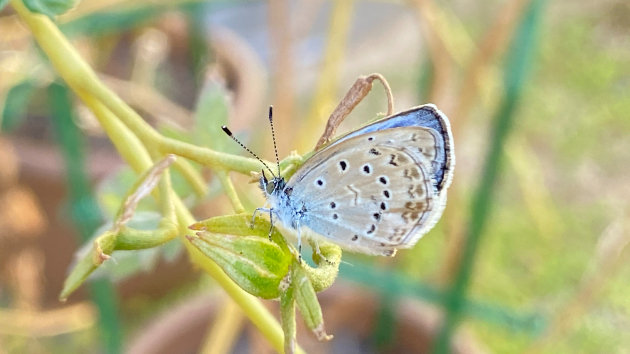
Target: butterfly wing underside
x=428 y=116
x=372 y=193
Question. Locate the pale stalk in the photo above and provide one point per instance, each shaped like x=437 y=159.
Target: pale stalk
x=224 y=330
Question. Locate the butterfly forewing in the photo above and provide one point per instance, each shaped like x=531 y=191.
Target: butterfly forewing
x=371 y=193
x=438 y=147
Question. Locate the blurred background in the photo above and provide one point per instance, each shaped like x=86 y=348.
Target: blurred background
x=529 y=256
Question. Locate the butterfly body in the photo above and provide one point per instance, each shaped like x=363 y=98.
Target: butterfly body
x=373 y=190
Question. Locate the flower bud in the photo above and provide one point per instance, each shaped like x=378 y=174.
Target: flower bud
x=254 y=263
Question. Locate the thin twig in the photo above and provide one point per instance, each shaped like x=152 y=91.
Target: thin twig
x=357 y=92
x=146 y=184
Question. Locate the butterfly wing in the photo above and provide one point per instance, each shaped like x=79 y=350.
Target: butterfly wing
x=439 y=150
x=371 y=193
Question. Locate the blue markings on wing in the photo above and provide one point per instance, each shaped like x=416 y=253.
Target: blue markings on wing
x=424 y=116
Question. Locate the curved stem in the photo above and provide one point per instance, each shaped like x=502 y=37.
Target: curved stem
x=192 y=176
x=134 y=140
x=208 y=157
x=228 y=186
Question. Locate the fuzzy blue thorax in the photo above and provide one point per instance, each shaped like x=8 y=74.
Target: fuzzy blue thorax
x=281 y=205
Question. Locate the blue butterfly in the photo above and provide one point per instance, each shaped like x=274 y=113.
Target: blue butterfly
x=374 y=190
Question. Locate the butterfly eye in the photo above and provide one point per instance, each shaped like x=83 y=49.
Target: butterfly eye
x=271 y=186
x=264 y=178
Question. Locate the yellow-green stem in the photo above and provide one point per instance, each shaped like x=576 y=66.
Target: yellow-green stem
x=228 y=187
x=134 y=140
x=209 y=157
x=192 y=176
x=224 y=330
x=80 y=76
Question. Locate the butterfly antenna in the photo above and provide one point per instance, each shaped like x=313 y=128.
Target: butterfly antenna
x=229 y=133
x=273 y=136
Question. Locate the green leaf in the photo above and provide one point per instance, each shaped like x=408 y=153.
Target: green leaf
x=239 y=225
x=113 y=189
x=88 y=260
x=15 y=104
x=50 y=8
x=212 y=112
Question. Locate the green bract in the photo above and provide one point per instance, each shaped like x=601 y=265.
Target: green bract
x=307 y=303
x=256 y=264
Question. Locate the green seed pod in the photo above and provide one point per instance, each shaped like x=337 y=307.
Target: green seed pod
x=256 y=264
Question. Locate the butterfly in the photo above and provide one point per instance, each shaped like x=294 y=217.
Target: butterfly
x=374 y=190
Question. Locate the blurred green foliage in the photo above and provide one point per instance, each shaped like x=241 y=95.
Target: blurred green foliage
x=50 y=8
x=16 y=104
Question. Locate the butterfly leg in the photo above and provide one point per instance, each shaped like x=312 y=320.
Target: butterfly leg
x=299 y=239
x=270 y=221
x=319 y=253
x=262 y=210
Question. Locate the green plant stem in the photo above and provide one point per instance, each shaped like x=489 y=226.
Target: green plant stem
x=287 y=313
x=126 y=143
x=134 y=140
x=515 y=74
x=228 y=186
x=166 y=191
x=209 y=157
x=153 y=140
x=192 y=176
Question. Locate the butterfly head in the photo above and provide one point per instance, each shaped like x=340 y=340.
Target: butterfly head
x=276 y=184
x=271 y=186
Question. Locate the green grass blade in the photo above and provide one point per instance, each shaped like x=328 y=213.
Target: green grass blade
x=85 y=210
x=517 y=67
